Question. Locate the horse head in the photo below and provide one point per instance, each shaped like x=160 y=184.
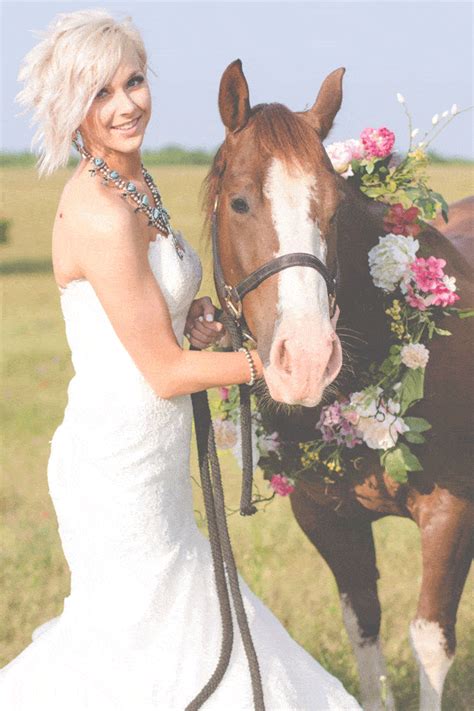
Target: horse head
x=275 y=192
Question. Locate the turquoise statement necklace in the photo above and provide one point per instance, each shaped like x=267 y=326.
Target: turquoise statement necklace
x=157 y=215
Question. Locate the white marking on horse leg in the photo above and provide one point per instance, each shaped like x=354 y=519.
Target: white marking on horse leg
x=374 y=688
x=430 y=647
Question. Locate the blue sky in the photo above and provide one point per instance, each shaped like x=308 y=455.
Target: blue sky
x=422 y=49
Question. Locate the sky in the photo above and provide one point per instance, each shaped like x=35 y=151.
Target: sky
x=421 y=49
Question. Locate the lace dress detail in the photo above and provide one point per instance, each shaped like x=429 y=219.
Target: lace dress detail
x=140 y=630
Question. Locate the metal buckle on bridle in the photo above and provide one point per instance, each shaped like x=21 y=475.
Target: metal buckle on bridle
x=232 y=301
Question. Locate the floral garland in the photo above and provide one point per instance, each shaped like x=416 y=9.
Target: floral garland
x=417 y=294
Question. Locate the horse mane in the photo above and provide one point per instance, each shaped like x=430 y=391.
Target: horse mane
x=278 y=132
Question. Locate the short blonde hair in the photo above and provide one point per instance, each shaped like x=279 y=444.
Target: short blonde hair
x=79 y=53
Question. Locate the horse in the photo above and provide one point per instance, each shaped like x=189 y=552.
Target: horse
x=274 y=191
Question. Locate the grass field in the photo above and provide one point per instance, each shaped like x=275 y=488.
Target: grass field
x=272 y=552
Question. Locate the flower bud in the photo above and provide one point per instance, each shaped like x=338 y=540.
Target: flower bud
x=400 y=98
x=435 y=119
x=421 y=144
x=445 y=113
x=454 y=109
x=415 y=132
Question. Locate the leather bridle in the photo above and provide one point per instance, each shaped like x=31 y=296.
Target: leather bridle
x=231 y=296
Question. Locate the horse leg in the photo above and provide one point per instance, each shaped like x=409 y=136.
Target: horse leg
x=348 y=548
x=446 y=524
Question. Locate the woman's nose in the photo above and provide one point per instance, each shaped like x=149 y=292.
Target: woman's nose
x=124 y=104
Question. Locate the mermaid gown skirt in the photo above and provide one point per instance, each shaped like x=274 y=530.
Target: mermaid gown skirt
x=141 y=629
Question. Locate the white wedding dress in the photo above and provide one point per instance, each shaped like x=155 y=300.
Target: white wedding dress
x=141 y=628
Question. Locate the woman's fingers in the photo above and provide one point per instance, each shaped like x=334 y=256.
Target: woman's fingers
x=207 y=328
x=198 y=341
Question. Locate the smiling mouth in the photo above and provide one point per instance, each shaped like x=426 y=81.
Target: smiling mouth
x=127 y=126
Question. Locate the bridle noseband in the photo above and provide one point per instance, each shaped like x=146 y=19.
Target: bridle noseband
x=231 y=296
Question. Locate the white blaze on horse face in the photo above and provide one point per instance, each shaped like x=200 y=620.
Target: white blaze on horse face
x=290 y=198
x=305 y=353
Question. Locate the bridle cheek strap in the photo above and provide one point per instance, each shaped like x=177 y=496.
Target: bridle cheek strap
x=231 y=296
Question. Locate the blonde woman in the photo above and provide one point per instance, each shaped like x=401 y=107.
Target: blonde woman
x=141 y=628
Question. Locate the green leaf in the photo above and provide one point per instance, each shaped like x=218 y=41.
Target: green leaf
x=393 y=462
x=412 y=388
x=398 y=460
x=412 y=463
x=442 y=331
x=466 y=313
x=414 y=437
x=417 y=424
x=444 y=205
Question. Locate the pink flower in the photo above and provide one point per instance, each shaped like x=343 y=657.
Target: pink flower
x=378 y=142
x=224 y=393
x=443 y=296
x=351 y=416
x=427 y=272
x=416 y=301
x=429 y=277
x=356 y=147
x=281 y=485
x=335 y=424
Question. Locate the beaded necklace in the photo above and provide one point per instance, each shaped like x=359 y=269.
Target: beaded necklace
x=157 y=215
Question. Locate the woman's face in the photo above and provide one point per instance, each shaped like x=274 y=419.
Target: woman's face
x=120 y=112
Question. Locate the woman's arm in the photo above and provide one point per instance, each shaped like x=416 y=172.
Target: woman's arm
x=113 y=257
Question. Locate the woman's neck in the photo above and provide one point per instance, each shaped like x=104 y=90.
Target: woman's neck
x=128 y=165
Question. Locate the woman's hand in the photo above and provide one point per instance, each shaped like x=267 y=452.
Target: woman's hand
x=201 y=330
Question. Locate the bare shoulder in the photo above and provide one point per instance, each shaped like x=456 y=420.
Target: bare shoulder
x=92 y=224
x=90 y=205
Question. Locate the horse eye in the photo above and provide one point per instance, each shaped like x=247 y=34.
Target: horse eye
x=239 y=205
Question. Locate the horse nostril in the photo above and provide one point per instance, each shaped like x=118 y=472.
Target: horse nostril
x=283 y=357
x=335 y=359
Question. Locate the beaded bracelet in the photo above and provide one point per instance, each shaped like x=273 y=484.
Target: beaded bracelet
x=253 y=370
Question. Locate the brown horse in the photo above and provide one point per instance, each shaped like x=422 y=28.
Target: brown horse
x=278 y=193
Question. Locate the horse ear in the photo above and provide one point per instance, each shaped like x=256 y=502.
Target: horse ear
x=234 y=105
x=321 y=115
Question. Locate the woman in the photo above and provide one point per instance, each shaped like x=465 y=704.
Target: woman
x=141 y=628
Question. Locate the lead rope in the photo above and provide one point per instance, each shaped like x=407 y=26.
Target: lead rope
x=246 y=506
x=221 y=550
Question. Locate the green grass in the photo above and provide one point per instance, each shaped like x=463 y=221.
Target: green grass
x=272 y=553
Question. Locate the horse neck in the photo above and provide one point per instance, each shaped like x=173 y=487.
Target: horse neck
x=360 y=301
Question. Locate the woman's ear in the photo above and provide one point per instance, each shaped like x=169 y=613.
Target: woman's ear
x=234 y=105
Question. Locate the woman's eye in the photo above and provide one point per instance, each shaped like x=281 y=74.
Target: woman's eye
x=134 y=81
x=101 y=93
x=239 y=205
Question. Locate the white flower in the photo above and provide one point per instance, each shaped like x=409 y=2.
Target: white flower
x=225 y=433
x=454 y=109
x=450 y=282
x=364 y=403
x=390 y=259
x=444 y=114
x=356 y=147
x=415 y=132
x=400 y=98
x=421 y=144
x=268 y=443
x=237 y=447
x=340 y=156
x=415 y=355
x=435 y=119
x=381 y=431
